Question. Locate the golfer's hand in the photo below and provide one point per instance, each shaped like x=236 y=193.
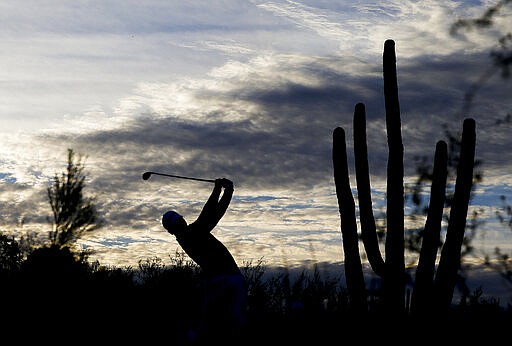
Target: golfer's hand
x=226 y=183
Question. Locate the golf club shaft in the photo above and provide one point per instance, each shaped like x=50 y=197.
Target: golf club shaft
x=178 y=176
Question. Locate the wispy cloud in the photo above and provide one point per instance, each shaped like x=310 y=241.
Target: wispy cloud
x=308 y=17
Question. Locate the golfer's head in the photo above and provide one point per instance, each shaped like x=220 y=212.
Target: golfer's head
x=173 y=222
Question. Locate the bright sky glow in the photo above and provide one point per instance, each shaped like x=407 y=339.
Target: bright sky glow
x=249 y=90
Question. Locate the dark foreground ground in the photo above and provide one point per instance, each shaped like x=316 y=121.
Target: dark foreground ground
x=149 y=318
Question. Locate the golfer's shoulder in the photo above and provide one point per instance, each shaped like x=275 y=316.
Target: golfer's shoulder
x=197 y=228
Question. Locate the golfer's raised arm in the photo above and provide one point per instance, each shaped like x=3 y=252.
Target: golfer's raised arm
x=214 y=208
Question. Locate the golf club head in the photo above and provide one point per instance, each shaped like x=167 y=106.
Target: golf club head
x=146 y=175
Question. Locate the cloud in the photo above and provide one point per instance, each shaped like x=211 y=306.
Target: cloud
x=277 y=116
x=250 y=90
x=267 y=126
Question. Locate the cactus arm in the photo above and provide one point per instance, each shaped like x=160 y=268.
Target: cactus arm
x=367 y=220
x=353 y=268
x=422 y=293
x=449 y=263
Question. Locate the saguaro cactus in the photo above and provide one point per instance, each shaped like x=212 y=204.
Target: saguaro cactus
x=428 y=291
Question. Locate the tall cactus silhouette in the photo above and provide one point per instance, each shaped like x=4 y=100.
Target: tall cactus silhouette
x=433 y=289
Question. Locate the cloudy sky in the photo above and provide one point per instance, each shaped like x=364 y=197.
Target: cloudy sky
x=248 y=90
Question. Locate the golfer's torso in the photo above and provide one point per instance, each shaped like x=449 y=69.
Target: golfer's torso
x=208 y=252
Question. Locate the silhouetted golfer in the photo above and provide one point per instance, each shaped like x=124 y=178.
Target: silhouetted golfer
x=225 y=288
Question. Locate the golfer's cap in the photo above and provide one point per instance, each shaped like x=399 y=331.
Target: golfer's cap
x=170 y=217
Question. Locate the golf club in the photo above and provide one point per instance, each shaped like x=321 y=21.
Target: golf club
x=146 y=176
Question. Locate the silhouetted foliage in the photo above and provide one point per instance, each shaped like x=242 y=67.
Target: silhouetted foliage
x=56 y=289
x=10 y=254
x=501 y=55
x=54 y=267
x=73 y=213
x=502 y=262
